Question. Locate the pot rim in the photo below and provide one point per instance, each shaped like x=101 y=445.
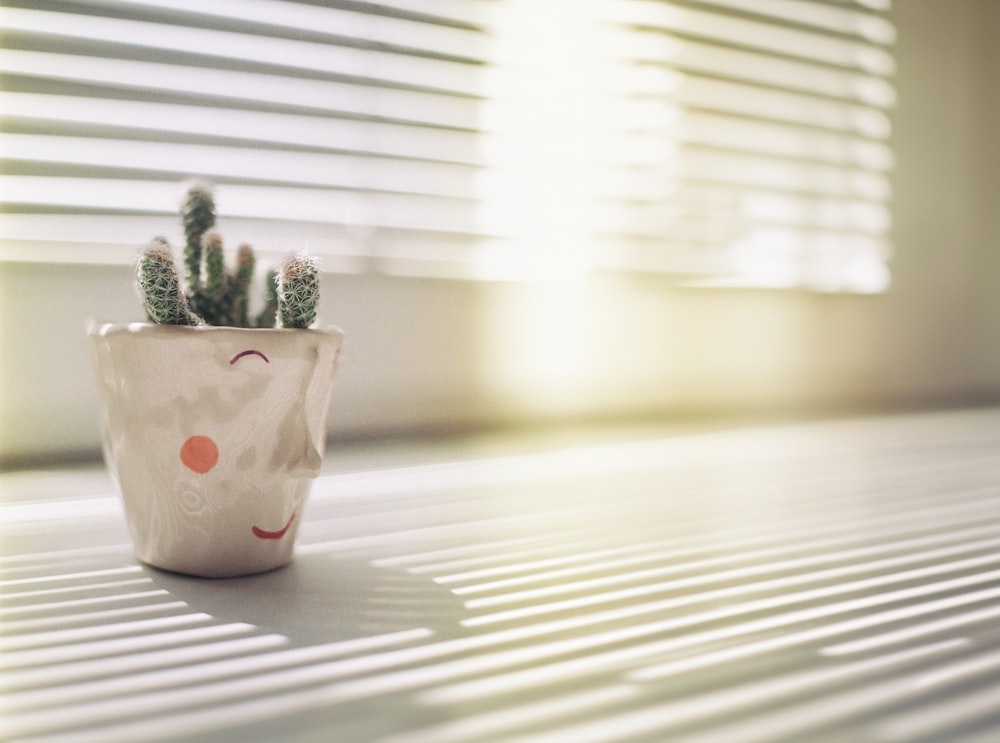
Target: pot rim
x=100 y=329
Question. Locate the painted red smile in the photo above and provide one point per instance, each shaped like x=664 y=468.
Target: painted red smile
x=264 y=534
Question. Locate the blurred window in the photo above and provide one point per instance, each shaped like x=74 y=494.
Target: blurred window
x=717 y=142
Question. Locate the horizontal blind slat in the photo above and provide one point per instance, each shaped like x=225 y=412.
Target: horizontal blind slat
x=250 y=164
x=345 y=98
x=758 y=68
x=754 y=34
x=842 y=20
x=292 y=130
x=307 y=56
x=430 y=37
x=267 y=202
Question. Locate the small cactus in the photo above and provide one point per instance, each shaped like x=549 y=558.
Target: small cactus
x=215 y=295
x=163 y=298
x=298 y=292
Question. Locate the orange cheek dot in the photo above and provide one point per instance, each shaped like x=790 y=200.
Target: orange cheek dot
x=199 y=453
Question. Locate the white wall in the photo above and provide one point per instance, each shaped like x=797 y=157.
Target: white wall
x=423 y=354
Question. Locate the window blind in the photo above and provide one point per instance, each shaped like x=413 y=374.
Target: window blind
x=717 y=142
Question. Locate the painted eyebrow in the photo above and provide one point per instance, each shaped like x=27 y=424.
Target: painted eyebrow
x=249 y=352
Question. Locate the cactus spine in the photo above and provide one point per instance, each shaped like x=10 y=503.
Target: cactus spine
x=216 y=295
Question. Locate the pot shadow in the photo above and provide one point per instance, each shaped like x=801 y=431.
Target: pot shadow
x=319 y=598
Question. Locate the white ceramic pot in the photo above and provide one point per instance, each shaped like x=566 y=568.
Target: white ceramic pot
x=214 y=436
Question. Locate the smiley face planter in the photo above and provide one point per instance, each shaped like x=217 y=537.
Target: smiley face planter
x=214 y=435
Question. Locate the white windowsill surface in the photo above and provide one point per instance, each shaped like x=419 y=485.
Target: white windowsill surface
x=806 y=581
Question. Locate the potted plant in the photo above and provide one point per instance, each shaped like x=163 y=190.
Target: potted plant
x=214 y=420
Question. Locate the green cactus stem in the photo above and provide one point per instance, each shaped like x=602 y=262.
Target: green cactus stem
x=215 y=265
x=209 y=300
x=198 y=215
x=298 y=292
x=239 y=285
x=160 y=286
x=268 y=317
